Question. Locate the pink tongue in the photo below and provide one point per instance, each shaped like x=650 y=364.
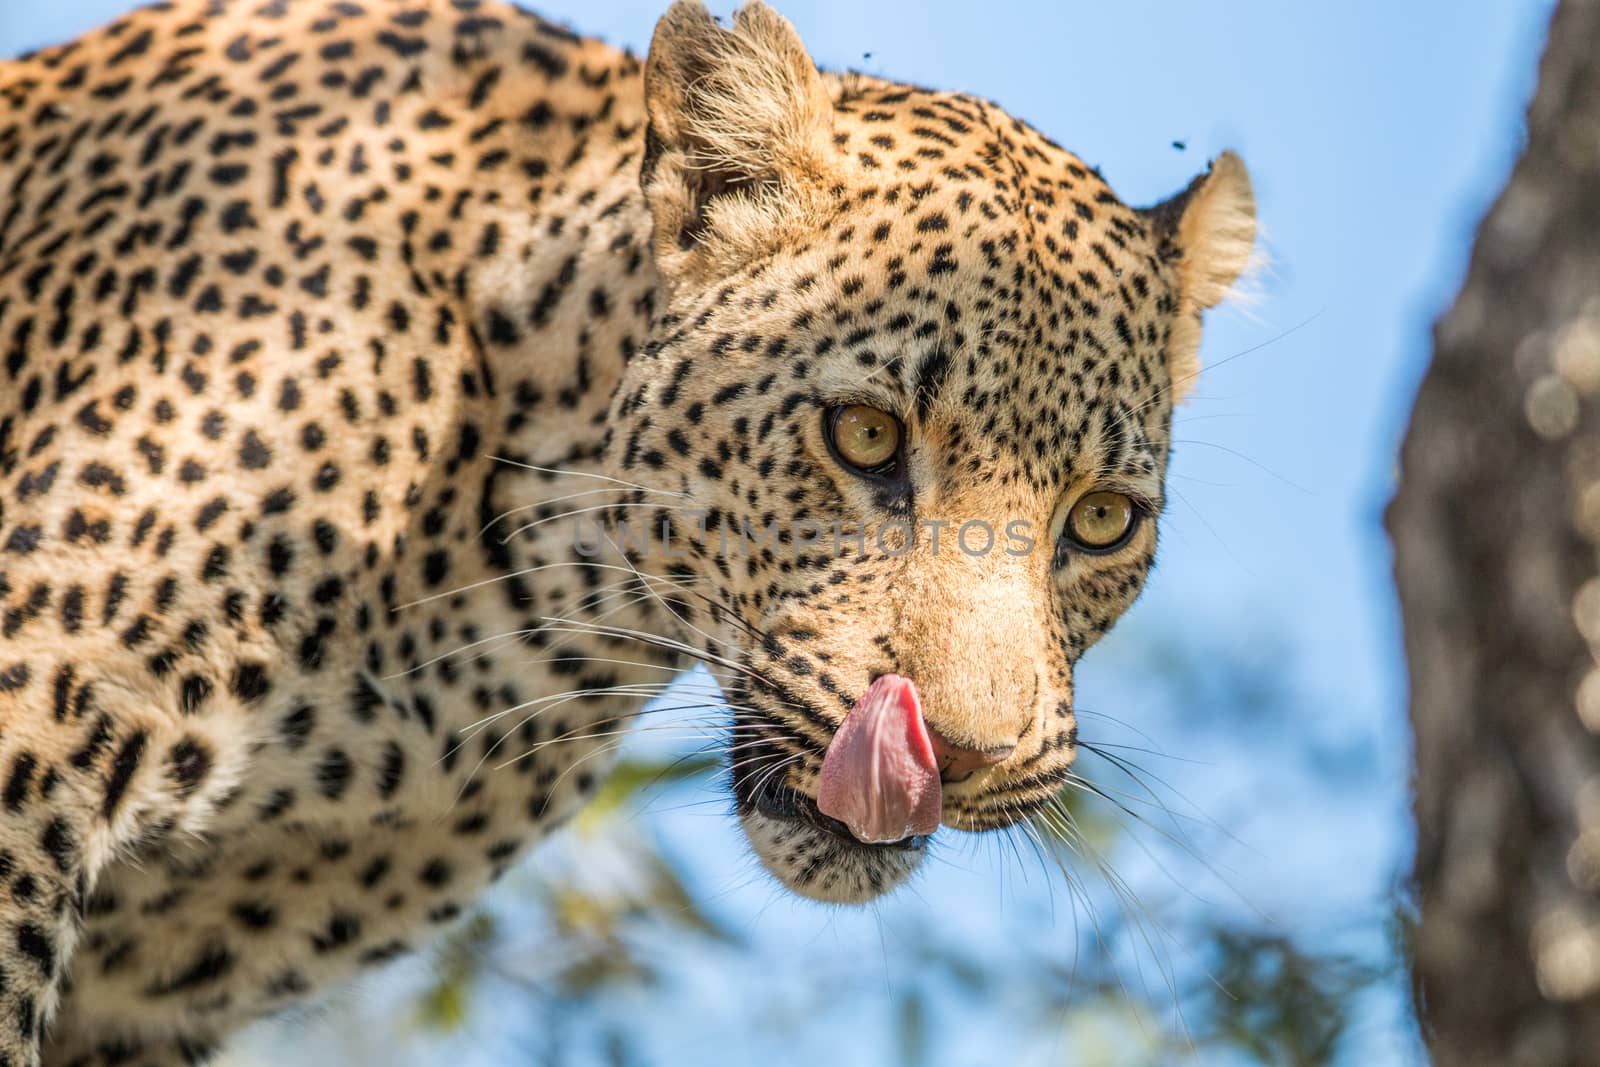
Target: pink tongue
x=879 y=777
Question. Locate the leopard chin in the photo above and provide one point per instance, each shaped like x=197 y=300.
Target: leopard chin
x=825 y=863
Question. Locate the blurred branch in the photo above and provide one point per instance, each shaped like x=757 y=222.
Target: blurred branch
x=1495 y=528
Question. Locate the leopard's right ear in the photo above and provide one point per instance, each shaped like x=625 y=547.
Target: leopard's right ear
x=737 y=149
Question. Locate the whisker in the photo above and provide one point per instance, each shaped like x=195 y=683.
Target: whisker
x=623 y=633
x=553 y=500
x=581 y=474
x=1248 y=459
x=522 y=573
x=535 y=524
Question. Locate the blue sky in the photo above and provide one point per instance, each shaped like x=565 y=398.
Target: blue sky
x=1376 y=134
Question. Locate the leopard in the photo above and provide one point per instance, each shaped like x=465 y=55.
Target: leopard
x=388 y=390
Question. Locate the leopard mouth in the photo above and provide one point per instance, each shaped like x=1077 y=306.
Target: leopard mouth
x=812 y=854
x=785 y=804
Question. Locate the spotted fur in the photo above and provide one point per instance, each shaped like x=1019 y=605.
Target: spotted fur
x=324 y=325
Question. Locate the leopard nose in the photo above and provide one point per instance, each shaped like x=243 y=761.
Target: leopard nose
x=958 y=763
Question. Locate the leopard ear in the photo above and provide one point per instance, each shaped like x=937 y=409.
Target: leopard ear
x=1207 y=232
x=738 y=143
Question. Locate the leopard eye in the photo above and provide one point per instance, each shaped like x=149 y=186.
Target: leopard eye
x=1102 y=521
x=865 y=438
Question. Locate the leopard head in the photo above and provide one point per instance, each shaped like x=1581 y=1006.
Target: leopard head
x=910 y=395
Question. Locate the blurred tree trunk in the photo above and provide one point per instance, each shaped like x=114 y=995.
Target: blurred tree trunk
x=1495 y=528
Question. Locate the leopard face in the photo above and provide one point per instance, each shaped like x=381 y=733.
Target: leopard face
x=999 y=340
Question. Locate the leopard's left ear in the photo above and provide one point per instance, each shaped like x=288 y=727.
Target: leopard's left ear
x=1208 y=233
x=739 y=138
